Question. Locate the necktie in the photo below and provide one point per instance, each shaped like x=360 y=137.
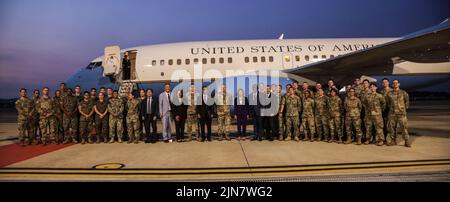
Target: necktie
x=149 y=105
x=168 y=98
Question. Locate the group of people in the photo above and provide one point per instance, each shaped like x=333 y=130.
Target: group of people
x=323 y=115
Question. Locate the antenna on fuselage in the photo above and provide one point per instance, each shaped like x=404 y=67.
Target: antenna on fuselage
x=281 y=36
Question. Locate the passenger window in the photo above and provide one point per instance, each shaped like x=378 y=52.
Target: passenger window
x=307 y=57
x=246 y=59
x=263 y=59
x=170 y=62
x=255 y=59
x=187 y=61
x=230 y=60
x=161 y=62
x=221 y=60
x=324 y=57
x=179 y=62
x=297 y=58
x=154 y=63
x=315 y=57
x=204 y=60
x=287 y=58
x=331 y=56
x=270 y=58
x=213 y=60
x=196 y=61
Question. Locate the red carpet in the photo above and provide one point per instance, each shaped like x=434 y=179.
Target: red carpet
x=14 y=153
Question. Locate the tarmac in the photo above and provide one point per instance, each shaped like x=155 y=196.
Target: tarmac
x=429 y=127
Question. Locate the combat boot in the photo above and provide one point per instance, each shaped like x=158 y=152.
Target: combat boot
x=98 y=140
x=227 y=137
x=358 y=141
x=119 y=140
x=111 y=140
x=305 y=138
x=130 y=140
x=136 y=141
x=339 y=140
x=280 y=138
x=105 y=140
x=83 y=141
x=296 y=138
x=319 y=138
x=349 y=140
x=331 y=139
x=380 y=143
x=367 y=141
x=407 y=143
x=66 y=141
x=90 y=141
x=288 y=138
x=189 y=139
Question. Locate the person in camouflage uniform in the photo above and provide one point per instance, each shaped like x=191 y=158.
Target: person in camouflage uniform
x=293 y=105
x=192 y=115
x=336 y=110
x=385 y=92
x=69 y=107
x=358 y=87
x=133 y=106
x=305 y=88
x=282 y=112
x=223 y=101
x=45 y=108
x=35 y=138
x=375 y=104
x=353 y=108
x=308 y=116
x=365 y=113
x=318 y=88
x=24 y=108
x=398 y=102
x=115 y=109
x=58 y=117
x=86 y=109
x=322 y=113
x=102 y=118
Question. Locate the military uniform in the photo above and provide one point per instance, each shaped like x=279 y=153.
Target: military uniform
x=102 y=122
x=322 y=117
x=58 y=119
x=365 y=112
x=282 y=116
x=192 y=117
x=358 y=89
x=353 y=108
x=375 y=104
x=24 y=108
x=70 y=117
x=45 y=108
x=35 y=122
x=308 y=119
x=115 y=109
x=133 y=120
x=223 y=102
x=293 y=109
x=385 y=93
x=85 y=122
x=335 y=104
x=398 y=102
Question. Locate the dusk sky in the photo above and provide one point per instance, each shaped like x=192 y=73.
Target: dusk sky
x=43 y=42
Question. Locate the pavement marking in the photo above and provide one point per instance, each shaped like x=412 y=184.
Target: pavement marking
x=349 y=168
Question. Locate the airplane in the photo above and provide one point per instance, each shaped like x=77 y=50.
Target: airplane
x=418 y=60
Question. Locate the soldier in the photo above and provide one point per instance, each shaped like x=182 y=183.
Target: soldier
x=364 y=113
x=115 y=109
x=58 y=116
x=398 y=102
x=24 y=108
x=63 y=90
x=192 y=115
x=322 y=115
x=358 y=86
x=78 y=93
x=102 y=118
x=331 y=85
x=69 y=108
x=109 y=93
x=223 y=101
x=375 y=106
x=353 y=108
x=385 y=92
x=293 y=105
x=35 y=137
x=318 y=87
x=297 y=90
x=133 y=106
x=335 y=104
x=282 y=111
x=308 y=116
x=45 y=108
x=85 y=107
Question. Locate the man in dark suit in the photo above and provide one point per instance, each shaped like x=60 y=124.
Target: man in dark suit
x=179 y=110
x=255 y=107
x=149 y=113
x=241 y=111
x=205 y=112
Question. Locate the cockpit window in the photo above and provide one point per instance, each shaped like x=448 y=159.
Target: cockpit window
x=93 y=65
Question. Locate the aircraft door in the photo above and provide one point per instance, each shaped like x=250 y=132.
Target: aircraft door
x=112 y=61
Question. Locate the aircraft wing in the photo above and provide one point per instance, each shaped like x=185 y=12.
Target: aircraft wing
x=431 y=45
